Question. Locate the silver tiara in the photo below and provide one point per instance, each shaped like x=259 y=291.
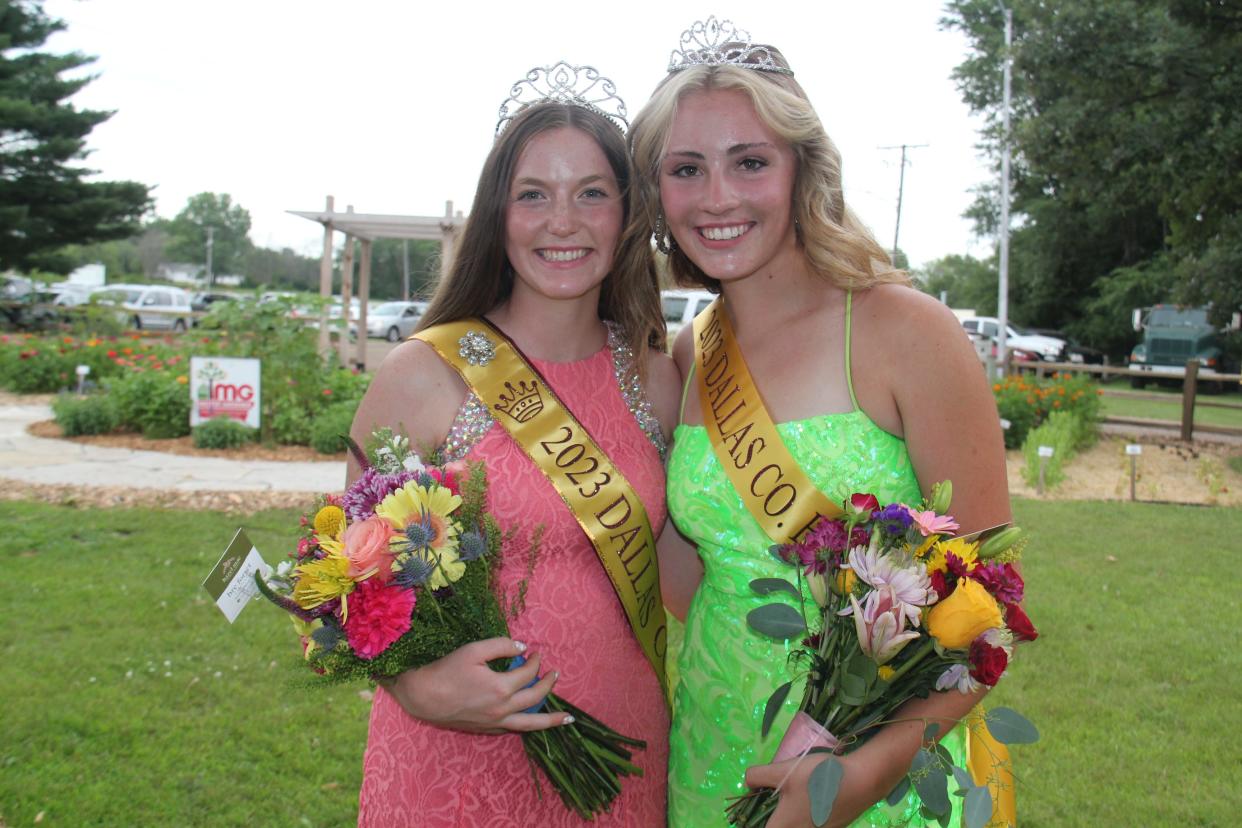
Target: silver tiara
x=719 y=43
x=564 y=83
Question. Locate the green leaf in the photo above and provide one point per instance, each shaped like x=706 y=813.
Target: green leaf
x=823 y=785
x=775 y=551
x=766 y=586
x=977 y=811
x=963 y=779
x=898 y=793
x=776 y=620
x=930 y=731
x=852 y=685
x=932 y=785
x=774 y=705
x=946 y=759
x=1009 y=727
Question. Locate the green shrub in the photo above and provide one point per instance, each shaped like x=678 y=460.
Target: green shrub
x=291 y=425
x=154 y=403
x=329 y=425
x=1066 y=432
x=222 y=433
x=94 y=414
x=37 y=367
x=1026 y=402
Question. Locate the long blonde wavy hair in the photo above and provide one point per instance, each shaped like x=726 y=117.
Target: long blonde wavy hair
x=836 y=244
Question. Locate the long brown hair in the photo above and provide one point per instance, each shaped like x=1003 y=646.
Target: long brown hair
x=836 y=244
x=481 y=277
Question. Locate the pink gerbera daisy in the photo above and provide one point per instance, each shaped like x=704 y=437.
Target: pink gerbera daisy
x=930 y=523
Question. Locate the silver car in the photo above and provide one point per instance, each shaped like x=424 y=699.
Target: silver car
x=394 y=321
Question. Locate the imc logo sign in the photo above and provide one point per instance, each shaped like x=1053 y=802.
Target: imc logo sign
x=224 y=387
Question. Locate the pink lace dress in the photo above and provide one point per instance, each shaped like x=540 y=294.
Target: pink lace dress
x=418 y=775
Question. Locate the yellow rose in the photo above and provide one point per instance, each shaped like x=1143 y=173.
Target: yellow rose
x=965 y=615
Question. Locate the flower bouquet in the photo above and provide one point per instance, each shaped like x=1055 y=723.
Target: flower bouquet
x=901 y=609
x=398 y=572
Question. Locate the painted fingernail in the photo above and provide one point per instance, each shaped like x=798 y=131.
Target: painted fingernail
x=555 y=675
x=520 y=646
x=567 y=720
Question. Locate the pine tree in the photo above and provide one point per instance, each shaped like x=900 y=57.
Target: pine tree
x=45 y=200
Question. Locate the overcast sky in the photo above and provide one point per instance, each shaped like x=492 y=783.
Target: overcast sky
x=391 y=106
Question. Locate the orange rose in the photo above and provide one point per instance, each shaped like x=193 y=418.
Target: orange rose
x=965 y=615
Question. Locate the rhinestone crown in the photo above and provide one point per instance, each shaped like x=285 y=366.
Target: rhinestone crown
x=565 y=83
x=715 y=42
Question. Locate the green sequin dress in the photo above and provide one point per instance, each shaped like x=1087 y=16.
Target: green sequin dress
x=728 y=671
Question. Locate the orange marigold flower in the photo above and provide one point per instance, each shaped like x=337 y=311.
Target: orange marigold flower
x=183 y=379
x=1056 y=403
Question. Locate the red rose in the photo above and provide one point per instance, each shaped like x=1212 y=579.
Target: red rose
x=987 y=663
x=864 y=502
x=1019 y=623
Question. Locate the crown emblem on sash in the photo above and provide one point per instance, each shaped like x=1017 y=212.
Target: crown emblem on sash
x=476 y=348
x=522 y=403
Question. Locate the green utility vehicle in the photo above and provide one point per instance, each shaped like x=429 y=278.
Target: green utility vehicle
x=1173 y=335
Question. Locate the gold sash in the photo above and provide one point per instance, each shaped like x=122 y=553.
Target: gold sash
x=598 y=495
x=784 y=501
x=775 y=490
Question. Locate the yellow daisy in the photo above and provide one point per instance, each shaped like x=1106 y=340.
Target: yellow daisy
x=322 y=580
x=966 y=551
x=427 y=533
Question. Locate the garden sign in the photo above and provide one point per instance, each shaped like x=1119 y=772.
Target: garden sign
x=224 y=387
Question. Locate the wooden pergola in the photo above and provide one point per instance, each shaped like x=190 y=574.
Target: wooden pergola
x=366 y=228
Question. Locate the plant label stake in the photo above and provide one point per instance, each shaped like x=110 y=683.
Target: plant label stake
x=1045 y=452
x=1133 y=450
x=82 y=371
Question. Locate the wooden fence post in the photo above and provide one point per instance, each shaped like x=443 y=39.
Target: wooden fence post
x=1188 y=399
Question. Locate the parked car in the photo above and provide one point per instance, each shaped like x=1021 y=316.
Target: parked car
x=204 y=300
x=1075 y=350
x=153 y=307
x=394 y=321
x=1049 y=349
x=681 y=306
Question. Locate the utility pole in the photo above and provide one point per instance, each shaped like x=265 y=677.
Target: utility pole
x=210 y=242
x=901 y=186
x=1002 y=299
x=405 y=270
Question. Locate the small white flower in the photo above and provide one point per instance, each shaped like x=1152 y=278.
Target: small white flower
x=412 y=463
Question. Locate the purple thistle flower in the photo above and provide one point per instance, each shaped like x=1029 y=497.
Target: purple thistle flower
x=360 y=499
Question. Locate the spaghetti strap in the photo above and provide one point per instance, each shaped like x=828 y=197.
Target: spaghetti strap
x=685 y=389
x=849 y=379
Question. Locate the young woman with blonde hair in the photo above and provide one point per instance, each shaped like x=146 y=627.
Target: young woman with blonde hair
x=869 y=385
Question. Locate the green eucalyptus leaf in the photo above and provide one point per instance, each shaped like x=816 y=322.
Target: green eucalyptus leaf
x=930 y=732
x=963 y=779
x=774 y=705
x=977 y=812
x=946 y=759
x=777 y=621
x=945 y=819
x=932 y=785
x=766 y=586
x=898 y=793
x=822 y=787
x=1009 y=727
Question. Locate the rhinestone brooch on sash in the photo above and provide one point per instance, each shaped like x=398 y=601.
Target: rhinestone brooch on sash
x=476 y=348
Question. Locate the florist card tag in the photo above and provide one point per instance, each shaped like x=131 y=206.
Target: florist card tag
x=231 y=582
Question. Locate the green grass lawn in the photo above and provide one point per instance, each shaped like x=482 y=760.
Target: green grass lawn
x=129 y=700
x=1172 y=409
